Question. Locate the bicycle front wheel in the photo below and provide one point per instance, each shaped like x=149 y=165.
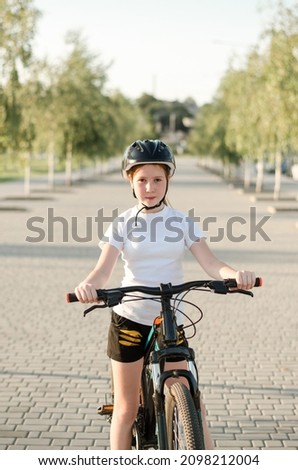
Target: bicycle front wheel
x=183 y=420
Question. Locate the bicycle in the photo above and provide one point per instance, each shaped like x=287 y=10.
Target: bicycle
x=168 y=417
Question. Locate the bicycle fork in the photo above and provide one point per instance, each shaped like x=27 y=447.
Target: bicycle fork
x=159 y=379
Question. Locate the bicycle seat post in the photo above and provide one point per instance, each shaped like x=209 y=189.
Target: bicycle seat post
x=168 y=324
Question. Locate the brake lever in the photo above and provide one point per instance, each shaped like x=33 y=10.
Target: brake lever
x=224 y=288
x=93 y=307
x=241 y=291
x=114 y=298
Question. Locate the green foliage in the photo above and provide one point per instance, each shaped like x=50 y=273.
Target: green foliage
x=58 y=107
x=79 y=103
x=17 y=29
x=255 y=112
x=127 y=122
x=65 y=109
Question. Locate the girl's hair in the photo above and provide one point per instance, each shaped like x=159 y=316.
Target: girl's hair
x=133 y=170
x=166 y=169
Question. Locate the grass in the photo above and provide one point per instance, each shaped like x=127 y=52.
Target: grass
x=12 y=168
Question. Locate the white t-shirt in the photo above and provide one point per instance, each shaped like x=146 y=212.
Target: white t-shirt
x=152 y=248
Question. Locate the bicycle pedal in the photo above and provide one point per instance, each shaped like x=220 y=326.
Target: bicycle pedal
x=105 y=410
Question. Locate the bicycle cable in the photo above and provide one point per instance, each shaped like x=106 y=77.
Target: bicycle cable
x=192 y=323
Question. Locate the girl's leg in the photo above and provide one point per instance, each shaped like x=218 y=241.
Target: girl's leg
x=126 y=384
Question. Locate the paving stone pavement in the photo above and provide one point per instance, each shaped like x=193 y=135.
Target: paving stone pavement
x=54 y=369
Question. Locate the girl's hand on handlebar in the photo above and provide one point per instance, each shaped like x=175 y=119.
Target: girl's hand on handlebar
x=86 y=293
x=245 y=279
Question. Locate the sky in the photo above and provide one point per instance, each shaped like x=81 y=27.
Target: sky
x=172 y=49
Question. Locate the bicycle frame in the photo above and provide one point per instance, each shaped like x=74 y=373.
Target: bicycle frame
x=154 y=373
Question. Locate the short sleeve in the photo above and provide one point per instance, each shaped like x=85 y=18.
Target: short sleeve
x=193 y=231
x=114 y=234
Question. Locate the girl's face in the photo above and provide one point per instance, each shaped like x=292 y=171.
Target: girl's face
x=149 y=183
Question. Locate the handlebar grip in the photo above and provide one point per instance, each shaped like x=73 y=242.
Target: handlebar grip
x=71 y=297
x=233 y=283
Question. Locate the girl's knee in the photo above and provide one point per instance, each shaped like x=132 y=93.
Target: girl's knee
x=125 y=414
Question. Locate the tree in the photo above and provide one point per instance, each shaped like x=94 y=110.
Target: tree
x=48 y=132
x=127 y=122
x=255 y=111
x=81 y=106
x=208 y=136
x=3 y=134
x=281 y=97
x=242 y=91
x=17 y=28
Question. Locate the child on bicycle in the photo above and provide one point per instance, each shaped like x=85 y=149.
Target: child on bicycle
x=151 y=238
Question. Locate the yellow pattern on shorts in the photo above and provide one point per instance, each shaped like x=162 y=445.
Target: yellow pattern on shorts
x=180 y=338
x=129 y=337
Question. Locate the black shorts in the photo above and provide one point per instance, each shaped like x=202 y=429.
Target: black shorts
x=127 y=339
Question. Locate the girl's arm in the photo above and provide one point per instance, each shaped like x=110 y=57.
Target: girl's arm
x=219 y=270
x=99 y=276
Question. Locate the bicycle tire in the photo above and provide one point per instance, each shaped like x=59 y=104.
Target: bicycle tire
x=183 y=420
x=136 y=438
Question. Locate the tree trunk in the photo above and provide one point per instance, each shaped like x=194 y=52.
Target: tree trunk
x=277 y=180
x=260 y=175
x=247 y=176
x=27 y=173
x=226 y=169
x=51 y=166
x=68 y=164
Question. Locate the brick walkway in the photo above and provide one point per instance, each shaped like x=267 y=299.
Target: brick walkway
x=54 y=370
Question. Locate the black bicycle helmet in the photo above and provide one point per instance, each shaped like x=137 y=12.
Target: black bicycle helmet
x=141 y=152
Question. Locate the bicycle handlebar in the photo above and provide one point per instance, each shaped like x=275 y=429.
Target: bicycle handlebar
x=112 y=297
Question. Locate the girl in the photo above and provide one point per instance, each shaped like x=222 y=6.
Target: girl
x=151 y=238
